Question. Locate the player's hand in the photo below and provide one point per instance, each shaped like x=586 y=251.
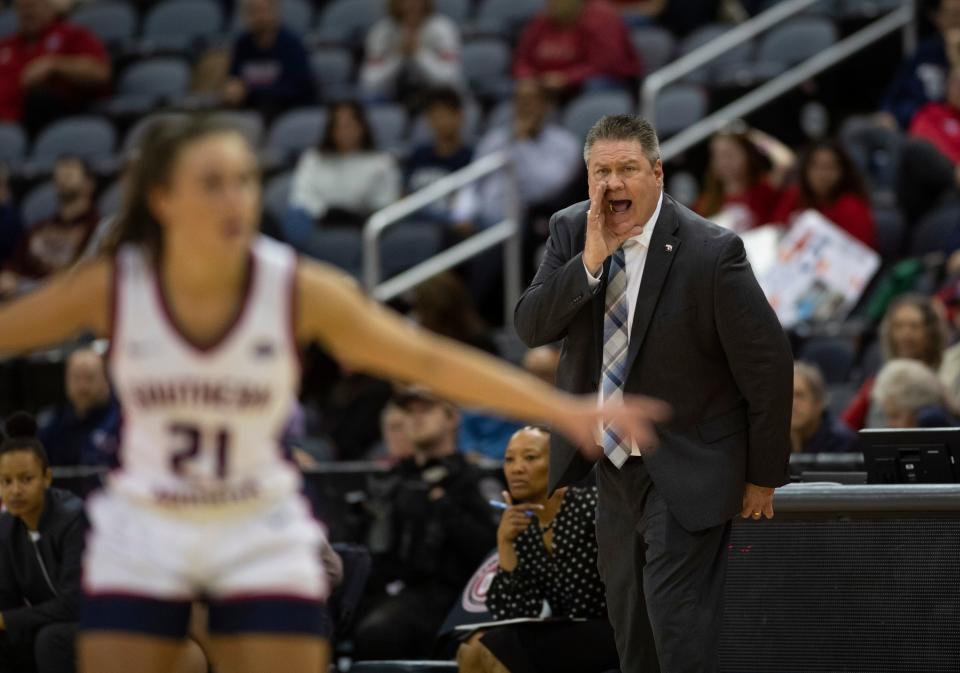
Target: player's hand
x=633 y=418
x=757 y=502
x=515 y=519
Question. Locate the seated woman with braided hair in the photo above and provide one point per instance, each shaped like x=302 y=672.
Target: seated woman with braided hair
x=547 y=546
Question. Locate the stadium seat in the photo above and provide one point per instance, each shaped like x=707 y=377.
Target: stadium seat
x=934 y=231
x=13 y=144
x=249 y=122
x=388 y=123
x=339 y=246
x=458 y=10
x=583 y=112
x=115 y=23
x=39 y=203
x=875 y=150
x=655 y=46
x=135 y=133
x=408 y=243
x=89 y=137
x=276 y=195
x=109 y=201
x=506 y=17
x=891 y=230
x=792 y=42
x=292 y=132
x=347 y=21
x=8 y=22
x=727 y=68
x=834 y=357
x=145 y=84
x=333 y=72
x=297 y=15
x=839 y=396
x=679 y=106
x=486 y=65
x=179 y=24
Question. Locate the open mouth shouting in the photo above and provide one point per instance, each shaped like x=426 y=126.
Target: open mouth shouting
x=619 y=205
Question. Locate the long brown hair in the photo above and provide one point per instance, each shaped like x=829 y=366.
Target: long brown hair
x=850 y=182
x=151 y=166
x=758 y=165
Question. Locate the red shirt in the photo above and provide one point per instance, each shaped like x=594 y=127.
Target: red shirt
x=849 y=212
x=58 y=39
x=940 y=124
x=597 y=44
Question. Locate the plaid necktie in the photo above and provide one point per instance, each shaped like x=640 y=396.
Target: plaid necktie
x=615 y=343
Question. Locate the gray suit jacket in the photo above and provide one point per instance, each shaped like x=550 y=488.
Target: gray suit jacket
x=704 y=339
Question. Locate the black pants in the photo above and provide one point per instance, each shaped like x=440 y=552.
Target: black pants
x=404 y=626
x=52 y=650
x=664 y=584
x=578 y=647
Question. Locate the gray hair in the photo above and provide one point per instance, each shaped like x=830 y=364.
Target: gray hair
x=909 y=384
x=813 y=378
x=624 y=127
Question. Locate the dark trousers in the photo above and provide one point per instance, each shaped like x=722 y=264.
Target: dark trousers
x=578 y=647
x=403 y=626
x=664 y=584
x=52 y=650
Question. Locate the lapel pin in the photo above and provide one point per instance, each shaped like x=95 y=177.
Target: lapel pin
x=668 y=247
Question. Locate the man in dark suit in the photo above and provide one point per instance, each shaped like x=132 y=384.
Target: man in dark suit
x=651 y=299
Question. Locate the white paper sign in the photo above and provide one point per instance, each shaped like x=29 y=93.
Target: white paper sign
x=820 y=273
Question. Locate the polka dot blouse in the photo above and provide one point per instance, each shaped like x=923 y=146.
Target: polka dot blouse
x=567 y=578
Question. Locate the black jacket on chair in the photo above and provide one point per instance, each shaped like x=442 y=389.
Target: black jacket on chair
x=704 y=339
x=40 y=582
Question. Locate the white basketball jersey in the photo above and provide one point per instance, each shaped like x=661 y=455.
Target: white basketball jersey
x=202 y=426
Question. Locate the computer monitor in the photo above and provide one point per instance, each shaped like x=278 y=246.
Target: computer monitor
x=911 y=456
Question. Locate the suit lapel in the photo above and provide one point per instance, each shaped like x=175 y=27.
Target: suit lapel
x=664 y=246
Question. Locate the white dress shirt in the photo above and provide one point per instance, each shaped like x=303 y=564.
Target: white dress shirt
x=635 y=259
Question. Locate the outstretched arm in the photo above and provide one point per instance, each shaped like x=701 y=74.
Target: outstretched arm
x=369 y=337
x=72 y=301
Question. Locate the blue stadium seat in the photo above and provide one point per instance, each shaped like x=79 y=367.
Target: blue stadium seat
x=408 y=243
x=179 y=24
x=891 y=231
x=934 y=231
x=145 y=84
x=679 y=106
x=249 y=122
x=724 y=69
x=790 y=43
x=388 y=123
x=115 y=23
x=655 y=46
x=834 y=357
x=8 y=22
x=347 y=21
x=13 y=144
x=585 y=110
x=292 y=132
x=276 y=195
x=92 y=138
x=339 y=246
x=135 y=133
x=458 y=10
x=506 y=17
x=39 y=203
x=333 y=72
x=486 y=65
x=875 y=150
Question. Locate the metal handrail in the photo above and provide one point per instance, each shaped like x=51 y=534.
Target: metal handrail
x=505 y=233
x=703 y=129
x=683 y=66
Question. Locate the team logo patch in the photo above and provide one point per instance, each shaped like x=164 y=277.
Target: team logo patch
x=475 y=595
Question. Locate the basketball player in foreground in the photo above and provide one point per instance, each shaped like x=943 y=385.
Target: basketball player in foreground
x=204 y=319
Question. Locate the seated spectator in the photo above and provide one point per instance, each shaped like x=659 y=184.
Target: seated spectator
x=269 y=66
x=576 y=45
x=920 y=78
x=49 y=68
x=445 y=154
x=929 y=169
x=911 y=396
x=54 y=244
x=742 y=185
x=85 y=430
x=438 y=528
x=11 y=228
x=41 y=545
x=830 y=184
x=409 y=51
x=547 y=544
x=344 y=180
x=813 y=429
x=397 y=443
x=911 y=329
